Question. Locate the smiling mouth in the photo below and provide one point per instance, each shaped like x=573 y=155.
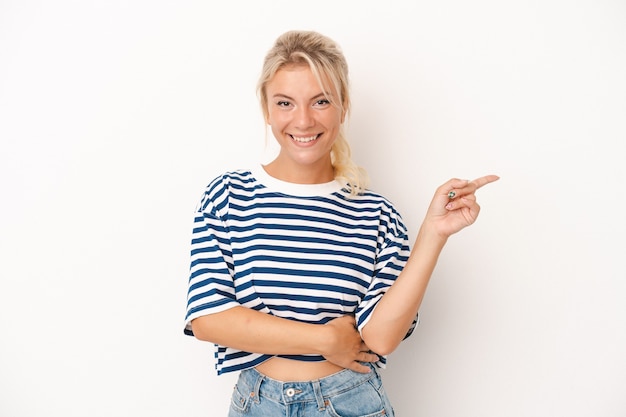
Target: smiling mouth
x=304 y=139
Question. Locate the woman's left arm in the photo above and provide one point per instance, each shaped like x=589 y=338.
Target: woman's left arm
x=453 y=208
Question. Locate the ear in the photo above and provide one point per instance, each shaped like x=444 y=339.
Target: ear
x=344 y=110
x=266 y=116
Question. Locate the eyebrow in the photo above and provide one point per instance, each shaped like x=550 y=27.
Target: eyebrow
x=320 y=95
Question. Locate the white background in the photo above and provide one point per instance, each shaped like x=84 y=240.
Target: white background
x=114 y=115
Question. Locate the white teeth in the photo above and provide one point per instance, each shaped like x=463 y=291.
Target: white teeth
x=304 y=140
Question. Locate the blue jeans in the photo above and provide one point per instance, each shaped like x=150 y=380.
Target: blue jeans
x=344 y=394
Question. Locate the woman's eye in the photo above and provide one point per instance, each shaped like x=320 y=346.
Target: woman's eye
x=322 y=102
x=282 y=103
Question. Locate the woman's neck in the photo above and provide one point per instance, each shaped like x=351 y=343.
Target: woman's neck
x=300 y=174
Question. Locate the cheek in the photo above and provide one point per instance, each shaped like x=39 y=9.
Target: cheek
x=334 y=120
x=276 y=120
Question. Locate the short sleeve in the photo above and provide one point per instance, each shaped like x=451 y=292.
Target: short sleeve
x=211 y=287
x=391 y=258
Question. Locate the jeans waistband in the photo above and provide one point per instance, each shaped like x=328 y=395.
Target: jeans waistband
x=302 y=391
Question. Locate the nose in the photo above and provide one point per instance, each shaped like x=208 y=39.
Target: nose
x=304 y=117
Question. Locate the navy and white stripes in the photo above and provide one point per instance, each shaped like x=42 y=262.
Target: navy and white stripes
x=298 y=251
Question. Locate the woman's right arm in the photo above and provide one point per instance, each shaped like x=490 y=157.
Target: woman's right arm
x=253 y=331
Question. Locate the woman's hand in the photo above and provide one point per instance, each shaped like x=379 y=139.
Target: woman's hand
x=454 y=205
x=346 y=348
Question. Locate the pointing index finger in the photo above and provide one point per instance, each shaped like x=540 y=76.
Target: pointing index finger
x=482 y=181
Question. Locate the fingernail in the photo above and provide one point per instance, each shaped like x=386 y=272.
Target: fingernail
x=448 y=206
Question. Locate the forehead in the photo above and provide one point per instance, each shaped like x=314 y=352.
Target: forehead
x=299 y=78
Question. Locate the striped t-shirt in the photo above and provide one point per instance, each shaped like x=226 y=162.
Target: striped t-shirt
x=306 y=252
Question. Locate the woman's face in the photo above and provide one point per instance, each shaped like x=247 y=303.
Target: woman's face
x=304 y=123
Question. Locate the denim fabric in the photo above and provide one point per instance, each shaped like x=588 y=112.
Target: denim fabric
x=344 y=394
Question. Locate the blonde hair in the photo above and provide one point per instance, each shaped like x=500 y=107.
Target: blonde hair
x=326 y=61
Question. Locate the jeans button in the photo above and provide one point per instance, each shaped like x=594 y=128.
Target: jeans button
x=290 y=392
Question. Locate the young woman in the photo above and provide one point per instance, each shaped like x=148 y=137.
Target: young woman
x=301 y=276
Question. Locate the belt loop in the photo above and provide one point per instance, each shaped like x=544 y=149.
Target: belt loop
x=374 y=369
x=255 y=394
x=319 y=397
